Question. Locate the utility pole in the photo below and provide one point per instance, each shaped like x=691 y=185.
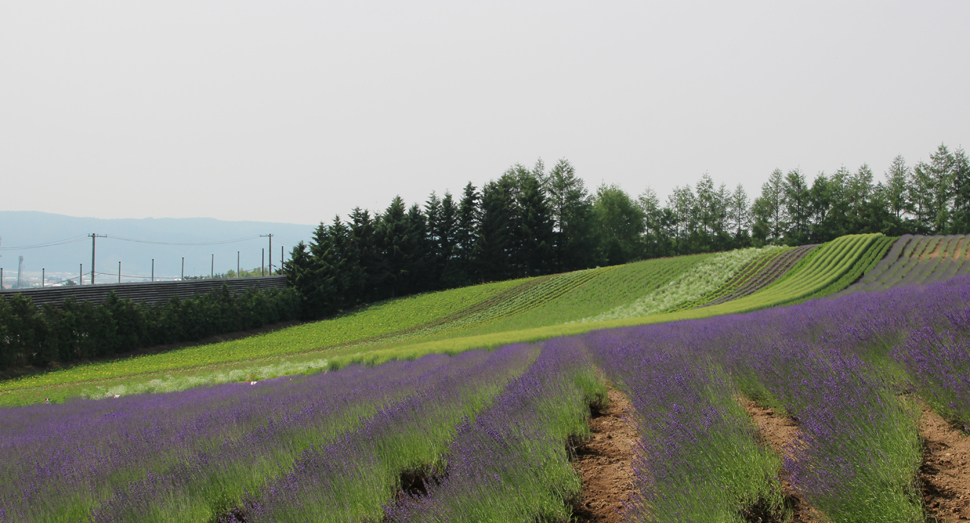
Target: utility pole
x=153 y=270
x=119 y=272
x=43 y=275
x=183 y=268
x=93 y=236
x=270 y=251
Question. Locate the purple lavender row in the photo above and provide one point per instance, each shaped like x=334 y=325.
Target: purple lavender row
x=353 y=477
x=697 y=459
x=939 y=363
x=824 y=363
x=858 y=451
x=210 y=478
x=510 y=463
x=67 y=460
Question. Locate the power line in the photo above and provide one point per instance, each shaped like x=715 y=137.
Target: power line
x=81 y=238
x=48 y=244
x=184 y=243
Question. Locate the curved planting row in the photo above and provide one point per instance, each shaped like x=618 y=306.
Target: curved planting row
x=510 y=463
x=609 y=288
x=476 y=310
x=918 y=259
x=821 y=272
x=769 y=272
x=745 y=274
x=535 y=297
x=700 y=280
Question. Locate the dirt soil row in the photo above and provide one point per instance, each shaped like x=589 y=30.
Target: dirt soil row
x=944 y=475
x=605 y=463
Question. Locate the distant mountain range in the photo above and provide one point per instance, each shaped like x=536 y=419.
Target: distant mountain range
x=60 y=244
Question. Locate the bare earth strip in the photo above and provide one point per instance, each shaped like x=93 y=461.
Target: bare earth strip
x=605 y=463
x=945 y=473
x=779 y=433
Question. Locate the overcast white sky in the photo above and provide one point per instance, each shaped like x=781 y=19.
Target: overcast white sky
x=295 y=111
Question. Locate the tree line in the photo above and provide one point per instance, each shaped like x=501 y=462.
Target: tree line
x=530 y=222
x=76 y=330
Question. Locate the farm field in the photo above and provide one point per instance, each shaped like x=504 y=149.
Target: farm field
x=764 y=271
x=917 y=259
x=461 y=319
x=484 y=435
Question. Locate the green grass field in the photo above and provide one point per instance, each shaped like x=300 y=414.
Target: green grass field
x=460 y=319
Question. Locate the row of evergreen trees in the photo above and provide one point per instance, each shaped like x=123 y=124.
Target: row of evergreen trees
x=76 y=330
x=530 y=222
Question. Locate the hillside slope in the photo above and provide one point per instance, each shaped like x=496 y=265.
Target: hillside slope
x=485 y=316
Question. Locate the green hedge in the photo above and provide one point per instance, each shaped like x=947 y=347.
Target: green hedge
x=74 y=331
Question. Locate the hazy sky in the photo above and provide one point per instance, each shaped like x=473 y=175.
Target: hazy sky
x=297 y=111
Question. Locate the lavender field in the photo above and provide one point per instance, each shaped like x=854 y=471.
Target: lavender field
x=486 y=435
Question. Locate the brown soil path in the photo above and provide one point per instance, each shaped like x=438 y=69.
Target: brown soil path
x=605 y=463
x=779 y=433
x=945 y=473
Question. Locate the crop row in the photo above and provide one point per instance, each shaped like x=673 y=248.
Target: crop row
x=865 y=263
x=692 y=284
x=739 y=280
x=509 y=463
x=837 y=366
x=820 y=270
x=185 y=456
x=918 y=259
x=547 y=290
x=609 y=289
x=769 y=274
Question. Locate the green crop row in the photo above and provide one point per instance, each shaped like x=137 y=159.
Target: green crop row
x=888 y=261
x=743 y=276
x=866 y=263
x=535 y=297
x=606 y=290
x=699 y=281
x=821 y=269
x=917 y=259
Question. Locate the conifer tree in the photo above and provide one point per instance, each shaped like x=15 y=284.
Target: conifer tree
x=571 y=211
x=961 y=190
x=466 y=234
x=391 y=237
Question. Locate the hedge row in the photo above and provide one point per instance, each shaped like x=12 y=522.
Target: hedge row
x=31 y=335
